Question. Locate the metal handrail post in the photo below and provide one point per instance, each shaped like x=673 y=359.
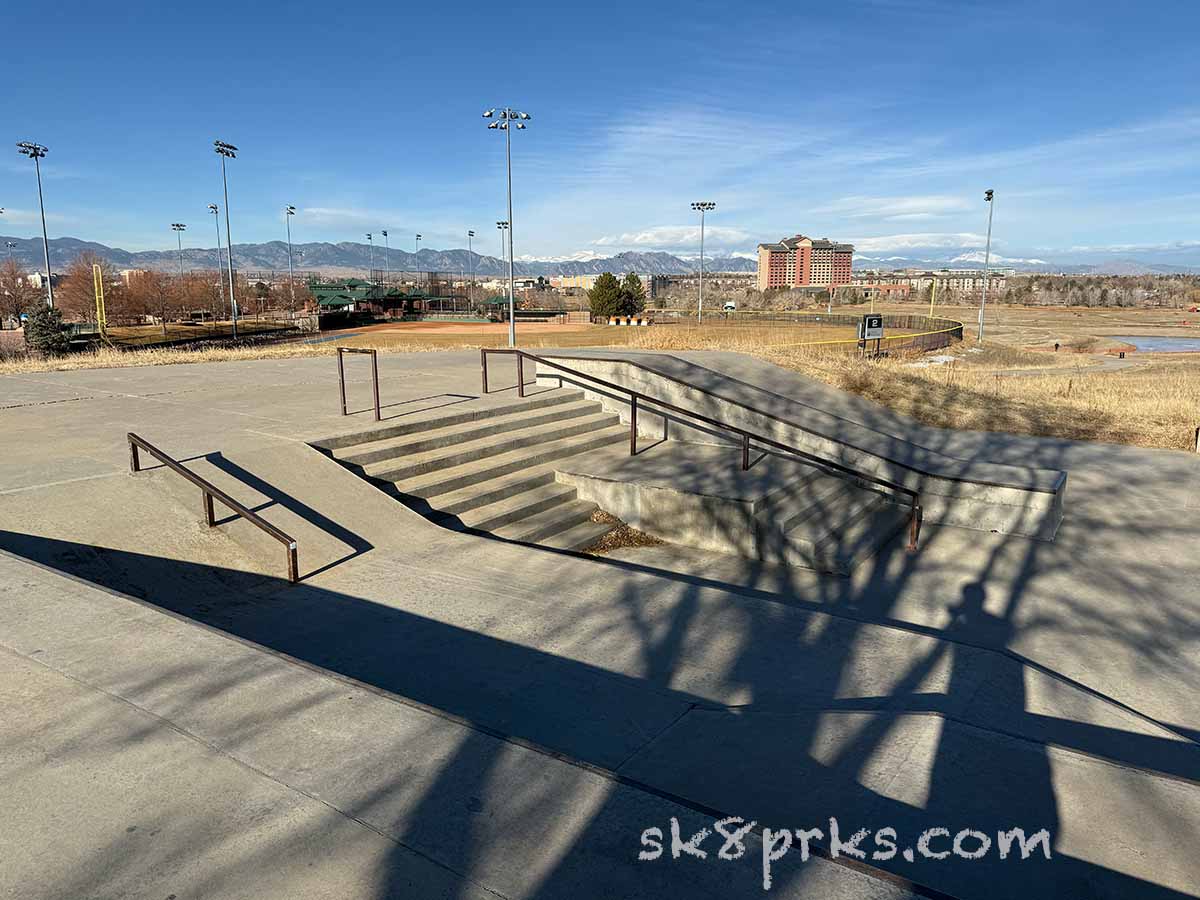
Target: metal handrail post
x=375 y=382
x=520 y=374
x=341 y=380
x=633 y=407
x=483 y=368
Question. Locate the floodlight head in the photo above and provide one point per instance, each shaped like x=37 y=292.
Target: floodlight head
x=524 y=115
x=224 y=149
x=987 y=196
x=212 y=208
x=493 y=125
x=291 y=210
x=368 y=236
x=489 y=113
x=32 y=150
x=418 y=237
x=521 y=125
x=384 y=232
x=470 y=234
x=176 y=226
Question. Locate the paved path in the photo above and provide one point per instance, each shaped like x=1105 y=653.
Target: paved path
x=436 y=714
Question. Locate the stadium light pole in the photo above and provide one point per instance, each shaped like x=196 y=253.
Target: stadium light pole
x=387 y=266
x=371 y=244
x=179 y=228
x=471 y=256
x=228 y=151
x=216 y=210
x=504 y=118
x=702 y=206
x=36 y=152
x=416 y=262
x=987 y=261
x=288 y=212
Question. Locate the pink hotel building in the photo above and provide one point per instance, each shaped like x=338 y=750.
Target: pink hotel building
x=804 y=262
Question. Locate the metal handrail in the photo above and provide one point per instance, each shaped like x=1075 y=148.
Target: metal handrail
x=915 y=515
x=374 y=376
x=209 y=491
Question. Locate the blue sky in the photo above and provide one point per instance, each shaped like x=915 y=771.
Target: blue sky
x=877 y=121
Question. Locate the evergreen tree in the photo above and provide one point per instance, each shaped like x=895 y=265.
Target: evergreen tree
x=44 y=332
x=605 y=298
x=633 y=295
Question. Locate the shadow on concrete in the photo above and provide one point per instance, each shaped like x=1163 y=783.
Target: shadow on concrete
x=450 y=400
x=805 y=755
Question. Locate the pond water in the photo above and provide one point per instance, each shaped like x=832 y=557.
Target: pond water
x=1161 y=344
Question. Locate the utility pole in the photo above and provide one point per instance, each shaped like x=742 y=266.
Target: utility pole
x=987 y=261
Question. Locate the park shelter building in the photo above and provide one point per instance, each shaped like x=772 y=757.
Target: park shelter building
x=801 y=261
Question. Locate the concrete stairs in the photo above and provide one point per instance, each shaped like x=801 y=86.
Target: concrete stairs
x=490 y=468
x=825 y=522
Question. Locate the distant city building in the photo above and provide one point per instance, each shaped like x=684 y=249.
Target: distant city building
x=38 y=280
x=801 y=261
x=966 y=280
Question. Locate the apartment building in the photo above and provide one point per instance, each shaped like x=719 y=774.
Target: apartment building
x=801 y=261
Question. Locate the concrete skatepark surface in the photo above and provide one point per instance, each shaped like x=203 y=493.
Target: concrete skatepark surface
x=439 y=714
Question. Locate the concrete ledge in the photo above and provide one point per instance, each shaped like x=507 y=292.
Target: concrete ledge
x=968 y=493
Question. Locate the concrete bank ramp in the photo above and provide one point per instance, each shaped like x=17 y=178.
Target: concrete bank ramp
x=968 y=492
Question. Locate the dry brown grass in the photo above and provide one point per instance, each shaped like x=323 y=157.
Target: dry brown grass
x=1154 y=406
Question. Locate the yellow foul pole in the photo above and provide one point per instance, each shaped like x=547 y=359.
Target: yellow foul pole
x=98 y=285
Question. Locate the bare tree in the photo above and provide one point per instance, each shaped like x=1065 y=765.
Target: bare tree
x=16 y=293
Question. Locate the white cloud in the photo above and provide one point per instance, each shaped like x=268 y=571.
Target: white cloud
x=924 y=241
x=910 y=208
x=1167 y=247
x=674 y=237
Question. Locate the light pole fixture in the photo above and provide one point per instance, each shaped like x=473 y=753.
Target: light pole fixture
x=288 y=212
x=36 y=152
x=228 y=151
x=503 y=118
x=179 y=229
x=371 y=244
x=215 y=210
x=987 y=260
x=11 y=245
x=702 y=206
x=387 y=266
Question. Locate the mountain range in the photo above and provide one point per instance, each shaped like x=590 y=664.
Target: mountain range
x=355 y=258
x=351 y=258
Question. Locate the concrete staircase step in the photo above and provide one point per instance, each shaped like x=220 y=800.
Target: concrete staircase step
x=854 y=529
x=473 y=496
x=537 y=528
x=578 y=537
x=516 y=508
x=819 y=498
x=453 y=478
x=482 y=448
x=541 y=400
x=407 y=445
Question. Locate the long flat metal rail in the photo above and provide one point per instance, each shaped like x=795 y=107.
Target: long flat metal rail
x=210 y=491
x=635 y=397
